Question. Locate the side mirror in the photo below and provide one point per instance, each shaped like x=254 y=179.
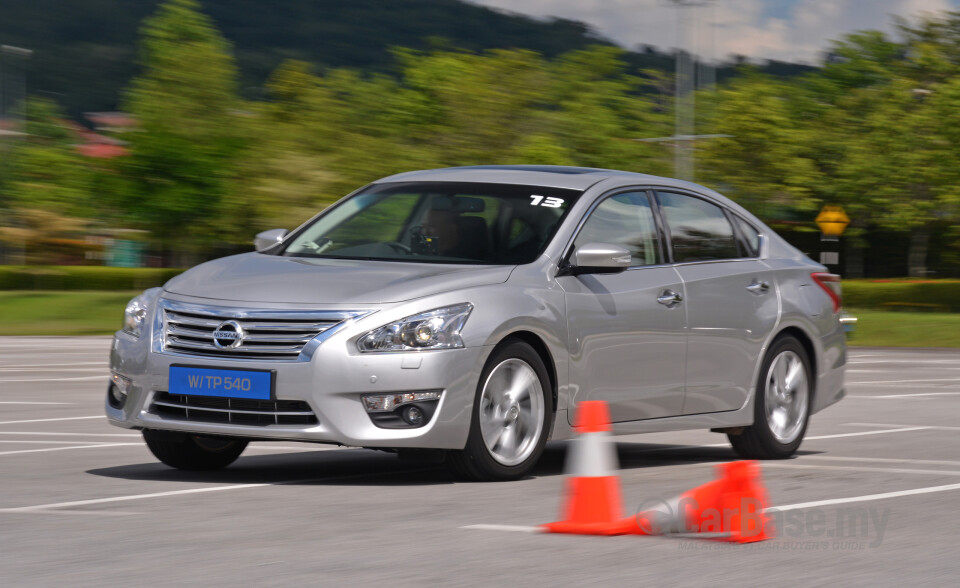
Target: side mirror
x=268 y=239
x=597 y=258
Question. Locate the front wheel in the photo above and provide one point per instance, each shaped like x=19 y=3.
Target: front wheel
x=511 y=416
x=193 y=452
x=782 y=404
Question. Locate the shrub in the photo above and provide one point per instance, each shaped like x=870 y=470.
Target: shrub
x=933 y=295
x=82 y=277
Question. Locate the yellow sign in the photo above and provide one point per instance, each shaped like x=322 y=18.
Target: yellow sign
x=832 y=220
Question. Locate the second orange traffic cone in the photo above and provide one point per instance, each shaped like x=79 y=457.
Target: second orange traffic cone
x=729 y=508
x=593 y=503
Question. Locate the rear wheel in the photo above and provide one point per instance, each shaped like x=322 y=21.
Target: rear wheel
x=511 y=416
x=782 y=404
x=193 y=452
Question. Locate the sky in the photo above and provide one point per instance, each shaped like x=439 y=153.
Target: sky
x=788 y=30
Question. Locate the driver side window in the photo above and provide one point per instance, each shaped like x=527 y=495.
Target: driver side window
x=627 y=220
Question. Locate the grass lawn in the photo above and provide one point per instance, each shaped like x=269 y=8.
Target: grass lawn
x=25 y=312
x=880 y=328
x=100 y=313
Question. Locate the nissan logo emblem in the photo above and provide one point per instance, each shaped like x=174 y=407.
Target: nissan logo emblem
x=228 y=335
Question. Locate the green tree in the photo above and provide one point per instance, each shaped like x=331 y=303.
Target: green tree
x=191 y=129
x=46 y=189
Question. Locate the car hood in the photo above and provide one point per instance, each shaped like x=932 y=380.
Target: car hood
x=257 y=277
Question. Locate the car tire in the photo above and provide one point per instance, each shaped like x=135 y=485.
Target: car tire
x=193 y=452
x=508 y=430
x=782 y=404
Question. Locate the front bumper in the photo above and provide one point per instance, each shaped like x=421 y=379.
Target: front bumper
x=331 y=382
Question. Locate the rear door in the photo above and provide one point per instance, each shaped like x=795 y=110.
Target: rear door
x=626 y=347
x=731 y=300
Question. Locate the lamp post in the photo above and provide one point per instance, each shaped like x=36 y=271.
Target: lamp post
x=686 y=83
x=13 y=87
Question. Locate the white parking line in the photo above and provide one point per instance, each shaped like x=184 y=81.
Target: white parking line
x=776 y=464
x=54 y=365
x=921 y=394
x=99 y=416
x=880 y=432
x=60 y=442
x=918 y=380
x=881 y=460
x=797 y=506
x=59 y=505
x=70 y=434
x=509 y=528
x=85 y=378
x=99 y=513
x=54 y=369
x=32 y=403
x=99 y=445
x=866 y=498
x=935 y=427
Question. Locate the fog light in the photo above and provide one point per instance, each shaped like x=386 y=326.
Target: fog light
x=389 y=402
x=413 y=415
x=118 y=390
x=402 y=410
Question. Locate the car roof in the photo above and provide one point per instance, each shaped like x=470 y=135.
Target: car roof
x=553 y=176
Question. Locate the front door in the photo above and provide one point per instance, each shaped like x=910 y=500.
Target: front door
x=626 y=331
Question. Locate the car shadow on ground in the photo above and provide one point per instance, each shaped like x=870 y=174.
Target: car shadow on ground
x=365 y=467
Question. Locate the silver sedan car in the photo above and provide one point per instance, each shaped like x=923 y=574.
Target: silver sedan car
x=470 y=309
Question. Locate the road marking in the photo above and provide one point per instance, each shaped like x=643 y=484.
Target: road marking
x=859 y=469
x=100 y=377
x=510 y=528
x=58 y=505
x=53 y=365
x=99 y=416
x=786 y=507
x=881 y=460
x=99 y=445
x=935 y=427
x=32 y=403
x=865 y=498
x=905 y=381
x=70 y=434
x=880 y=432
x=55 y=369
x=906 y=395
x=61 y=442
x=99 y=513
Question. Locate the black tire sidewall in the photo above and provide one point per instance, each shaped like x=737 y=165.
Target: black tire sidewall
x=183 y=451
x=476 y=450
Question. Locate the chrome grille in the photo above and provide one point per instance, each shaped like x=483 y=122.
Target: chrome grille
x=266 y=334
x=236 y=411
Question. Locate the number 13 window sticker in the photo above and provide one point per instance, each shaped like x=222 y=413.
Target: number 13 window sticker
x=547 y=201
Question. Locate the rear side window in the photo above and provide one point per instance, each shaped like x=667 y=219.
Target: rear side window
x=751 y=236
x=626 y=220
x=699 y=230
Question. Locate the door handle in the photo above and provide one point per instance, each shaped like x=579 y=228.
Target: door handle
x=669 y=298
x=758 y=287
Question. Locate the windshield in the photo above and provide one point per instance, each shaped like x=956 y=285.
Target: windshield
x=437 y=222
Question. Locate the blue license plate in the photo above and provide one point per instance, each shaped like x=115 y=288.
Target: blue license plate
x=195 y=381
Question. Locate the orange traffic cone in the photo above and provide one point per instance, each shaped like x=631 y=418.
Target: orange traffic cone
x=593 y=505
x=729 y=508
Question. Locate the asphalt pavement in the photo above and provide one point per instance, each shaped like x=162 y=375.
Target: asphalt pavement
x=873 y=498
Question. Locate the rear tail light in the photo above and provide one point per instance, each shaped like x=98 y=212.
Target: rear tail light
x=831 y=285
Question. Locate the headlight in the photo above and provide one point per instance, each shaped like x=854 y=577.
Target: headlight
x=135 y=314
x=434 y=329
